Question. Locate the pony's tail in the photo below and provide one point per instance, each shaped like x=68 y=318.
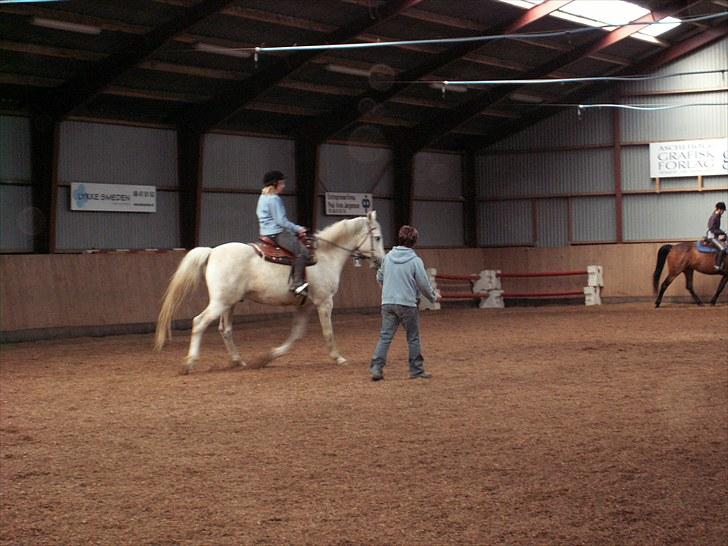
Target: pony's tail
x=184 y=280
x=661 y=258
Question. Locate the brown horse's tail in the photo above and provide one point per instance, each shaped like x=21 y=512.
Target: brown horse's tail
x=661 y=258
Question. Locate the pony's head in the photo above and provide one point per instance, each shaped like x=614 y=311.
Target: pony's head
x=373 y=247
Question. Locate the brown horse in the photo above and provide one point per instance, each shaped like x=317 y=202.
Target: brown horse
x=686 y=258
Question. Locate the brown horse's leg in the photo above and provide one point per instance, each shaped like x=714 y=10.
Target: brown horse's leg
x=668 y=280
x=689 y=286
x=721 y=286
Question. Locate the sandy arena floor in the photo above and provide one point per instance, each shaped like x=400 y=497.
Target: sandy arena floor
x=552 y=425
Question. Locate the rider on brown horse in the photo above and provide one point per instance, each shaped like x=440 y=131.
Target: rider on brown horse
x=715 y=236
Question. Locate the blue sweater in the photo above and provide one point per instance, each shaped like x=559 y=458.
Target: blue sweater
x=403 y=277
x=272 y=217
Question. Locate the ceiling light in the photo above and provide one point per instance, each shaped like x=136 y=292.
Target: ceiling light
x=222 y=50
x=449 y=87
x=531 y=99
x=65 y=25
x=348 y=70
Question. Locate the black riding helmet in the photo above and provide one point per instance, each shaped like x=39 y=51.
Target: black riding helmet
x=720 y=205
x=271 y=178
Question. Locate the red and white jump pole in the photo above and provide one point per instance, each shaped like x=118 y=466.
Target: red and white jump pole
x=486 y=287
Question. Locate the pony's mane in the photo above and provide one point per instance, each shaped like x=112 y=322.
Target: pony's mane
x=342 y=228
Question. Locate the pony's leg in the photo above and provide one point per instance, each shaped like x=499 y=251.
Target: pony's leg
x=668 y=280
x=721 y=286
x=300 y=319
x=324 y=313
x=199 y=324
x=226 y=331
x=689 y=286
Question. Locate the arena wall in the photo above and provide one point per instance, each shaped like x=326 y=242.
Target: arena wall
x=55 y=295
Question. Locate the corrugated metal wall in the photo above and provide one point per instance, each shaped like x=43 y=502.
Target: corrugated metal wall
x=109 y=230
x=538 y=165
x=115 y=154
x=437 y=190
x=668 y=216
x=231 y=217
x=16 y=214
x=545 y=173
x=237 y=162
x=357 y=169
x=594 y=219
x=506 y=223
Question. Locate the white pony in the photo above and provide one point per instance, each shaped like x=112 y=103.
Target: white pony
x=235 y=272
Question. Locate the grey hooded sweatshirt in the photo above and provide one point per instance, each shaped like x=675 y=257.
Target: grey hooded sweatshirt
x=404 y=277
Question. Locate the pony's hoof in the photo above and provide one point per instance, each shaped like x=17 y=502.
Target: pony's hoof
x=237 y=363
x=341 y=360
x=184 y=370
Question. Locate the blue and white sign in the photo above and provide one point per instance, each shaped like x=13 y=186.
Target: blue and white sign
x=348 y=204
x=113 y=197
x=705 y=157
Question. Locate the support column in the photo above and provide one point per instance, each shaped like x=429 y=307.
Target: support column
x=470 y=203
x=617 y=129
x=306 y=157
x=189 y=165
x=403 y=164
x=44 y=162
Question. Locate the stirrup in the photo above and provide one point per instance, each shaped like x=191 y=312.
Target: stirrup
x=301 y=290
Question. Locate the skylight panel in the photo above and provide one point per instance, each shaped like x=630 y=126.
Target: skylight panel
x=605 y=12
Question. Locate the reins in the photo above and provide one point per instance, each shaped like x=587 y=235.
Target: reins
x=355 y=252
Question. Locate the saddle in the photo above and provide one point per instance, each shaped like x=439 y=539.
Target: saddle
x=271 y=252
x=704 y=246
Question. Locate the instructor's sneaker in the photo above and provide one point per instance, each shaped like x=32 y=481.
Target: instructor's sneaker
x=423 y=375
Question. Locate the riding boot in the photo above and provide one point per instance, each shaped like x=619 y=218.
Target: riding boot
x=299 y=285
x=719 y=260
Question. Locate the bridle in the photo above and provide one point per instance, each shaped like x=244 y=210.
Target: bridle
x=355 y=252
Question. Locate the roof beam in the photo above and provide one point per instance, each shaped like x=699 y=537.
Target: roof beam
x=433 y=129
x=61 y=101
x=326 y=126
x=650 y=64
x=236 y=95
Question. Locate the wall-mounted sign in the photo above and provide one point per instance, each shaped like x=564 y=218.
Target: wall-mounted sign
x=348 y=204
x=706 y=157
x=113 y=197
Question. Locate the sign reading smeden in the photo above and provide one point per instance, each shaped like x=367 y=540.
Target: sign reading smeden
x=706 y=157
x=113 y=197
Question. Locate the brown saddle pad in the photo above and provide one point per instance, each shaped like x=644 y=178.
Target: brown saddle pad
x=271 y=252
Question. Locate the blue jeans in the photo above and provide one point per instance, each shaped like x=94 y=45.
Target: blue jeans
x=392 y=317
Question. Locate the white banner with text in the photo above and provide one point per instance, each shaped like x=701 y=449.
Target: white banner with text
x=348 y=204
x=113 y=197
x=706 y=157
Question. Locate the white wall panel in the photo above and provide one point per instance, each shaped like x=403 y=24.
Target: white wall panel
x=15 y=148
x=668 y=216
x=231 y=161
x=80 y=230
x=439 y=223
x=115 y=154
x=231 y=217
x=594 y=219
x=545 y=173
x=552 y=226
x=358 y=169
x=437 y=175
x=505 y=223
x=16 y=219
